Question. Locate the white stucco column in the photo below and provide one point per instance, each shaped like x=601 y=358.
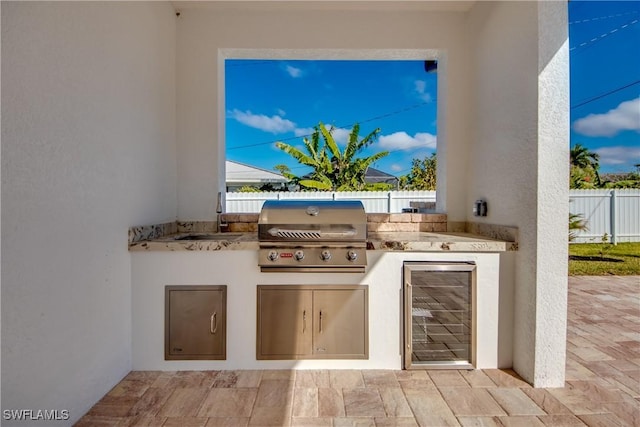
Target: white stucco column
x=518 y=162
x=553 y=195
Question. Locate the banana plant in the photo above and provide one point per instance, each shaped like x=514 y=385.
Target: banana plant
x=334 y=169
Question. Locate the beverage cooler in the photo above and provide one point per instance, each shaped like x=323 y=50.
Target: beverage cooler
x=438 y=315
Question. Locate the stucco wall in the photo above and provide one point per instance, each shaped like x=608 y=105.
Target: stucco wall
x=88 y=150
x=303 y=31
x=151 y=271
x=519 y=164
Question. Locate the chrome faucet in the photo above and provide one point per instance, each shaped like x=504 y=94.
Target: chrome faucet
x=221 y=224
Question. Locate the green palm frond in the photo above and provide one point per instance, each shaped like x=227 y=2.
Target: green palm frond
x=296 y=154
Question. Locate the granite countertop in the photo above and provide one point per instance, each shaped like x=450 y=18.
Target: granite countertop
x=385 y=241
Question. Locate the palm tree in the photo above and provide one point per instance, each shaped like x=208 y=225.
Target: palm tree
x=334 y=169
x=584 y=161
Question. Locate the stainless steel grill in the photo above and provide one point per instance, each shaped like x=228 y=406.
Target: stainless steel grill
x=313 y=236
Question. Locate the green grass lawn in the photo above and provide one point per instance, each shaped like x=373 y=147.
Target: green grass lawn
x=594 y=259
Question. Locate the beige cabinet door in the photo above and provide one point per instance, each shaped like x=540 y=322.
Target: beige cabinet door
x=195 y=322
x=340 y=323
x=284 y=323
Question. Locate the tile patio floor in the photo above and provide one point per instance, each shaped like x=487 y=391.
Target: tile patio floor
x=602 y=385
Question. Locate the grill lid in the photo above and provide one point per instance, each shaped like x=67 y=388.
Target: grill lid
x=312 y=220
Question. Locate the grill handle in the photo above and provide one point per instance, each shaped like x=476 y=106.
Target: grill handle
x=311 y=234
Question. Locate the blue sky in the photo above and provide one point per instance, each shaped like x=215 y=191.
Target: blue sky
x=604 y=43
x=269 y=101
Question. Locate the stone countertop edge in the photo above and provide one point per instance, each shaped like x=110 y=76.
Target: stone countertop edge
x=383 y=241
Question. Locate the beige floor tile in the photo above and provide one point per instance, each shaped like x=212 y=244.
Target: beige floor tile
x=248 y=379
x=192 y=379
x=560 y=420
x=416 y=374
x=506 y=378
x=429 y=408
x=183 y=402
x=346 y=379
x=477 y=378
x=275 y=393
x=305 y=402
x=163 y=380
x=589 y=354
x=145 y=421
x=363 y=402
x=147 y=376
x=479 y=421
x=131 y=388
x=312 y=422
x=521 y=421
x=475 y=402
x=546 y=401
x=185 y=422
x=313 y=378
x=379 y=378
x=110 y=406
x=418 y=384
x=601 y=420
x=515 y=402
x=151 y=402
x=354 y=422
x=225 y=379
x=628 y=410
x=396 y=422
x=395 y=404
x=330 y=402
x=279 y=374
x=99 y=421
x=228 y=402
x=227 y=422
x=447 y=378
x=271 y=416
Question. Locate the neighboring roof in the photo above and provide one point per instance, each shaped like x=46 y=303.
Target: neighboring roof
x=241 y=173
x=374 y=176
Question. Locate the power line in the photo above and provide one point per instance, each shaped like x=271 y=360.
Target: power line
x=595 y=98
x=393 y=113
x=601 y=37
x=618 y=15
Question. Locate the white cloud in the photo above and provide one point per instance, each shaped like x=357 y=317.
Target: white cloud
x=625 y=116
x=303 y=131
x=293 y=71
x=403 y=141
x=341 y=135
x=618 y=155
x=273 y=124
x=281 y=112
x=420 y=87
x=396 y=167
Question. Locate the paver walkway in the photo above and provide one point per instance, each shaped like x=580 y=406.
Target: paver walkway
x=602 y=385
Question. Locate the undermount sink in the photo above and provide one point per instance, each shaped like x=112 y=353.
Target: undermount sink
x=202 y=236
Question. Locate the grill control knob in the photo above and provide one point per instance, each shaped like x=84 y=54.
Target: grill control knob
x=325 y=255
x=272 y=256
x=298 y=255
x=352 y=255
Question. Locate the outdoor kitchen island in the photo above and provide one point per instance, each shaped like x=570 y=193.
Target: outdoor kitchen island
x=200 y=258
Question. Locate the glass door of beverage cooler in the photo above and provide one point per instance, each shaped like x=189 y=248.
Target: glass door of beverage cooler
x=438 y=325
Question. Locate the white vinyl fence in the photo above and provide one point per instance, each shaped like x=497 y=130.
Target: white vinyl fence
x=615 y=212
x=373 y=201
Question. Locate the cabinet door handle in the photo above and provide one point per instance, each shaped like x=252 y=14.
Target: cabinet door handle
x=213 y=326
x=320 y=321
x=304 y=321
